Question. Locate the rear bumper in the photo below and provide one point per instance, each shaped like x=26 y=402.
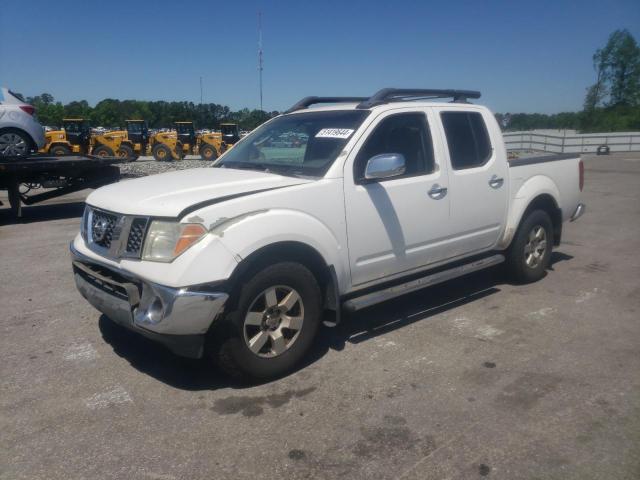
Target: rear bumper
x=580 y=209
x=178 y=318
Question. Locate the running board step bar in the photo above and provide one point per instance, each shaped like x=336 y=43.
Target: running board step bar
x=380 y=296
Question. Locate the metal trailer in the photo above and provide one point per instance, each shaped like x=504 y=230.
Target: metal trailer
x=55 y=175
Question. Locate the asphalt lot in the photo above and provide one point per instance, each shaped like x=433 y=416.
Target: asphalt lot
x=471 y=379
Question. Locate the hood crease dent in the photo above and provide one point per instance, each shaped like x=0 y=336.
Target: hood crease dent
x=178 y=193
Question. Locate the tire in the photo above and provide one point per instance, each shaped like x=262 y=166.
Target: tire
x=161 y=153
x=60 y=150
x=208 y=152
x=529 y=254
x=125 y=151
x=14 y=142
x=103 y=151
x=257 y=342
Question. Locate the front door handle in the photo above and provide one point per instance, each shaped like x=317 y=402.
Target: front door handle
x=437 y=192
x=496 y=182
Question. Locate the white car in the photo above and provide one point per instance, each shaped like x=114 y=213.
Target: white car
x=20 y=132
x=380 y=197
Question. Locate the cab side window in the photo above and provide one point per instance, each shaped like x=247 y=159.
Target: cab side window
x=405 y=133
x=467 y=138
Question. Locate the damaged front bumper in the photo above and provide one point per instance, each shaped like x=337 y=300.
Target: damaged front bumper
x=178 y=318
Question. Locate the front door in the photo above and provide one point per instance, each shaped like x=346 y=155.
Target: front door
x=399 y=224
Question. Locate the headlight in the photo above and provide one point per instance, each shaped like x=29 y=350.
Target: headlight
x=166 y=240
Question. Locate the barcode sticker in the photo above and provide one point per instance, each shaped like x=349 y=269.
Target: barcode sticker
x=334 y=133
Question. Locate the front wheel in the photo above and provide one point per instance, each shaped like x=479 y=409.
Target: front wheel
x=125 y=151
x=60 y=150
x=277 y=316
x=161 y=153
x=208 y=152
x=103 y=151
x=530 y=251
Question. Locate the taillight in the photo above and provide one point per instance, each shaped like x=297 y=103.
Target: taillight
x=28 y=109
x=581 y=169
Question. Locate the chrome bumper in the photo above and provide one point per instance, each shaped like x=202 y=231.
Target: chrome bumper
x=176 y=317
x=580 y=209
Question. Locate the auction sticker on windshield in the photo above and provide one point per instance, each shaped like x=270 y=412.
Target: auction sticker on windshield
x=334 y=133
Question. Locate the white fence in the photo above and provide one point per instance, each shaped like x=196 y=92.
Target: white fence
x=571 y=142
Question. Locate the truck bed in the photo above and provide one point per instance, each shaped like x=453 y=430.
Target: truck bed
x=556 y=175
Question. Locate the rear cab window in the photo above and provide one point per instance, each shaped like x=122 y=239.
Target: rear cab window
x=467 y=139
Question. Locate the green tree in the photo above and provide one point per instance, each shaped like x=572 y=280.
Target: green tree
x=617 y=65
x=613 y=102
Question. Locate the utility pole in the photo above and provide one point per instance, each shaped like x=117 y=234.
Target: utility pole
x=260 y=54
x=200 y=89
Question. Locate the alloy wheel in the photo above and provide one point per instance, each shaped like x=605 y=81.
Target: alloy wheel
x=12 y=144
x=274 y=321
x=536 y=246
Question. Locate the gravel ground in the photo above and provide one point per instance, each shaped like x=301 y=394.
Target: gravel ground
x=476 y=378
x=148 y=166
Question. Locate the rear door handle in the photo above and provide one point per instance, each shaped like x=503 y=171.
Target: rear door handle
x=496 y=182
x=437 y=192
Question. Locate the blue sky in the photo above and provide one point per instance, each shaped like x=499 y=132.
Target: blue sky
x=523 y=56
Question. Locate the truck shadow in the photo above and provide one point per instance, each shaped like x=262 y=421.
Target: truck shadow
x=40 y=213
x=186 y=374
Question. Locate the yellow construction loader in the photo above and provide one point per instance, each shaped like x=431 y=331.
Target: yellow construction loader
x=208 y=145
x=76 y=137
x=165 y=146
x=135 y=139
x=184 y=141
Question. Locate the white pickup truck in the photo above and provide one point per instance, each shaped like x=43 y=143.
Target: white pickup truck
x=336 y=207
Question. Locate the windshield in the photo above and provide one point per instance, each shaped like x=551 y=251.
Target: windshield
x=228 y=129
x=134 y=127
x=184 y=128
x=297 y=144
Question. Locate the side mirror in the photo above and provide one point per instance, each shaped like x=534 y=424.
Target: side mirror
x=385 y=165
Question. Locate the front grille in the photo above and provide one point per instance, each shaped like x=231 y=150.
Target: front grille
x=136 y=236
x=103 y=225
x=112 y=288
x=114 y=235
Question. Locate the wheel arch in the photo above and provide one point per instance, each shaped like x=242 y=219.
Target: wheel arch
x=283 y=251
x=542 y=201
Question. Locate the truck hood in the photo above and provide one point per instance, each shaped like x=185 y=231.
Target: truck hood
x=172 y=194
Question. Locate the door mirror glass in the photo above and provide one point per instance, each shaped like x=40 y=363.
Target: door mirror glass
x=385 y=165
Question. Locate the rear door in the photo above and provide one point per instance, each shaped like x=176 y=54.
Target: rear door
x=399 y=224
x=477 y=179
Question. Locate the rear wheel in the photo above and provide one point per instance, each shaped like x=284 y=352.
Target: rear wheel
x=161 y=153
x=530 y=252
x=14 y=143
x=208 y=152
x=103 y=151
x=277 y=316
x=59 y=150
x=125 y=151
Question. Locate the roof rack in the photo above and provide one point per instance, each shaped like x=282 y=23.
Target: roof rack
x=388 y=95
x=307 y=101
